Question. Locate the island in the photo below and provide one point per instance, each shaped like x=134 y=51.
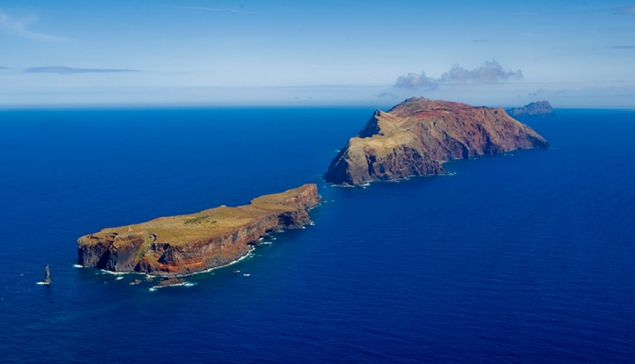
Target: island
x=538 y=108
x=186 y=244
x=417 y=136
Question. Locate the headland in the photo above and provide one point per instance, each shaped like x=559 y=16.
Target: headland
x=187 y=244
x=417 y=136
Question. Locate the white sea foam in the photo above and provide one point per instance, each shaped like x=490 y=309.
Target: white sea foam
x=248 y=255
x=78 y=266
x=116 y=273
x=184 y=284
x=342 y=186
x=316 y=206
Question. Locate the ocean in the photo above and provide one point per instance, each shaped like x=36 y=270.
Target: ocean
x=526 y=257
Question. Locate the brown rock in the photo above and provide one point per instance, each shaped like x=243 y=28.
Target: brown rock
x=171 y=281
x=186 y=244
x=415 y=137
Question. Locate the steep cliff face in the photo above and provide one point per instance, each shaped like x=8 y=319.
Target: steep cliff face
x=186 y=244
x=538 y=108
x=415 y=137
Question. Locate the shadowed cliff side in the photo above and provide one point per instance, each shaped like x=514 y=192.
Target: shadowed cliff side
x=415 y=137
x=187 y=244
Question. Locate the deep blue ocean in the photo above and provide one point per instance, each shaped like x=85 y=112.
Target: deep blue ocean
x=528 y=257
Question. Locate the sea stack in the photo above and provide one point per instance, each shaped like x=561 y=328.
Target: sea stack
x=417 y=136
x=47 y=276
x=186 y=244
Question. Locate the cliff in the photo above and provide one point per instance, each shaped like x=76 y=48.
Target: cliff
x=415 y=137
x=538 y=108
x=185 y=244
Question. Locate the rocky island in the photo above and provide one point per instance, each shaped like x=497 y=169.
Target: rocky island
x=538 y=108
x=417 y=136
x=186 y=244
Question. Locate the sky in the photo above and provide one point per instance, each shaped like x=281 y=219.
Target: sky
x=294 y=53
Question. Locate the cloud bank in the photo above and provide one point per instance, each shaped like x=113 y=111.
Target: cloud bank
x=18 y=27
x=70 y=70
x=489 y=72
x=414 y=81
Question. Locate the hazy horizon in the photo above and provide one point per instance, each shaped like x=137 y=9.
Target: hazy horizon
x=242 y=53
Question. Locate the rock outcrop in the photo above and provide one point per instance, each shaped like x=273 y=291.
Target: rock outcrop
x=417 y=136
x=186 y=244
x=538 y=108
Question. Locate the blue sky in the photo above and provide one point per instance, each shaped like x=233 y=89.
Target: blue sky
x=572 y=53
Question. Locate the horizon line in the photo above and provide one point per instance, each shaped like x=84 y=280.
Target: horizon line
x=158 y=106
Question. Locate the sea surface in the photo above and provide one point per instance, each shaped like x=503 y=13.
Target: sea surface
x=527 y=257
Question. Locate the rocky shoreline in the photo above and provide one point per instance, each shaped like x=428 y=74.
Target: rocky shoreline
x=187 y=244
x=417 y=136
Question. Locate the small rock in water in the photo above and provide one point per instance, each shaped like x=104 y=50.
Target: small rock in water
x=173 y=281
x=47 y=277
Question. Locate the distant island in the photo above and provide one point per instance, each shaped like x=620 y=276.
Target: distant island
x=538 y=108
x=186 y=244
x=417 y=136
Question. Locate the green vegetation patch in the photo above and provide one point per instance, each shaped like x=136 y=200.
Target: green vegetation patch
x=198 y=220
x=147 y=240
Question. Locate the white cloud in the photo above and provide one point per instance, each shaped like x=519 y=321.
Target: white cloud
x=414 y=81
x=489 y=72
x=18 y=27
x=69 y=70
